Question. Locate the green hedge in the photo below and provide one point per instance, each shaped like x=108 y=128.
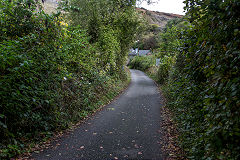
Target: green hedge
x=200 y=77
x=203 y=89
x=50 y=75
x=142 y=62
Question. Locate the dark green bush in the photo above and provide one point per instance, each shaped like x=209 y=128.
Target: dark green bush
x=170 y=44
x=50 y=75
x=202 y=81
x=164 y=69
x=204 y=92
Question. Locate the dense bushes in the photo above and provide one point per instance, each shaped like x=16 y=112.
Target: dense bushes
x=142 y=62
x=201 y=80
x=111 y=26
x=202 y=84
x=209 y=96
x=52 y=74
x=170 y=44
x=164 y=68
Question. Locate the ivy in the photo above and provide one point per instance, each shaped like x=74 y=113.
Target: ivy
x=203 y=88
x=199 y=71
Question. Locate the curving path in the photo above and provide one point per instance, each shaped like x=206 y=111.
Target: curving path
x=128 y=128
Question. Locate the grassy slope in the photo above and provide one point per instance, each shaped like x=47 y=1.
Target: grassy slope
x=158 y=18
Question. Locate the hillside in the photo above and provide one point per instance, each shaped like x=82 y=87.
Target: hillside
x=50 y=6
x=153 y=17
x=159 y=18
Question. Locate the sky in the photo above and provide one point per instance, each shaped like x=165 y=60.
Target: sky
x=168 y=6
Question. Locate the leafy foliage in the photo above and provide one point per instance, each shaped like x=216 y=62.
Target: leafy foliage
x=200 y=73
x=142 y=62
x=202 y=86
x=164 y=69
x=111 y=25
x=147 y=38
x=54 y=73
x=170 y=38
x=169 y=47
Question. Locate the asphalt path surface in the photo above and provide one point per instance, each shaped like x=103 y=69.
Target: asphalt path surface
x=128 y=128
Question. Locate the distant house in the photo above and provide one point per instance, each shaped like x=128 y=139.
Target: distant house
x=136 y=52
x=144 y=52
x=133 y=53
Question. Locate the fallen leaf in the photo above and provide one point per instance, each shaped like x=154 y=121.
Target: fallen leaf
x=136 y=146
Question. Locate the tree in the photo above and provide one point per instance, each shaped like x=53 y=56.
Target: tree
x=107 y=22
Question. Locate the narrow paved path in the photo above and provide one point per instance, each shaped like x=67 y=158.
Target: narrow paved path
x=128 y=128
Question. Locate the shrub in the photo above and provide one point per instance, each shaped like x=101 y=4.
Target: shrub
x=142 y=62
x=50 y=75
x=203 y=90
x=164 y=68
